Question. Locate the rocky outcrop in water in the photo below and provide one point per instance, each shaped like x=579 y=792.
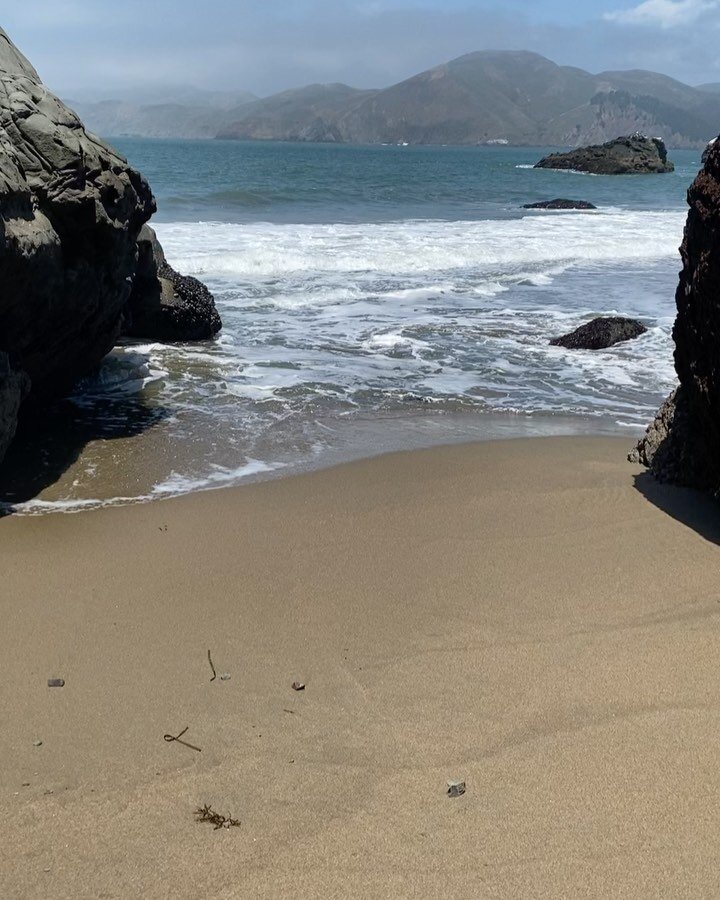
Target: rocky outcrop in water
x=600 y=333
x=164 y=305
x=560 y=204
x=632 y=155
x=683 y=443
x=71 y=210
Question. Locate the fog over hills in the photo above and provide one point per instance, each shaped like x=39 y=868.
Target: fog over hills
x=514 y=96
x=182 y=112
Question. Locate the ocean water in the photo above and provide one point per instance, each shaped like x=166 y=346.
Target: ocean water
x=373 y=298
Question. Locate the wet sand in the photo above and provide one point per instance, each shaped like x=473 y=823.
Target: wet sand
x=535 y=617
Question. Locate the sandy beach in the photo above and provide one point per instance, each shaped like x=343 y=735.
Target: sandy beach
x=535 y=617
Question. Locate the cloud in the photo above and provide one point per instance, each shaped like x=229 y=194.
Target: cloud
x=665 y=13
x=137 y=45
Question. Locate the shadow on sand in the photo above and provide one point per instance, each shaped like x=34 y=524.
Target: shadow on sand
x=691 y=507
x=50 y=439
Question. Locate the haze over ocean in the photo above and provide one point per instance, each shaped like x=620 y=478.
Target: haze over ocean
x=377 y=298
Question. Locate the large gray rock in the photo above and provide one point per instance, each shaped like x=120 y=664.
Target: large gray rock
x=70 y=213
x=164 y=305
x=632 y=155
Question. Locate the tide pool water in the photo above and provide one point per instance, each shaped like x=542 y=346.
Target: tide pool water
x=373 y=298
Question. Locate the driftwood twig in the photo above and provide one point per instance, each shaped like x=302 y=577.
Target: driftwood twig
x=170 y=738
x=212 y=667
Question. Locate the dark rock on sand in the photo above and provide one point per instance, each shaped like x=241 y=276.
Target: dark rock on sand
x=632 y=155
x=682 y=445
x=600 y=333
x=560 y=204
x=165 y=305
x=70 y=213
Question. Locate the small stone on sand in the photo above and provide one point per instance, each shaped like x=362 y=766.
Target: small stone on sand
x=455 y=788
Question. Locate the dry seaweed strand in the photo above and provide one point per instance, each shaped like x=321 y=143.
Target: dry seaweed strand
x=207 y=814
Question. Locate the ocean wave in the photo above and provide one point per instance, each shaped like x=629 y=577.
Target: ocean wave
x=262 y=250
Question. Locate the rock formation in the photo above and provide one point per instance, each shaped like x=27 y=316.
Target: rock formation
x=600 y=333
x=70 y=213
x=560 y=204
x=706 y=151
x=683 y=443
x=71 y=210
x=633 y=155
x=165 y=305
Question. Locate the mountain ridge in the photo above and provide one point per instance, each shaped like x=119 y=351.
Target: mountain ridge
x=518 y=97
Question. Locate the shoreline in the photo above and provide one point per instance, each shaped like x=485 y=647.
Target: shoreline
x=535 y=616
x=100 y=463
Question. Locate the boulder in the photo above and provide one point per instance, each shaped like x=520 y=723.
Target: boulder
x=600 y=333
x=164 y=305
x=560 y=204
x=75 y=270
x=706 y=151
x=71 y=209
x=682 y=445
x=632 y=155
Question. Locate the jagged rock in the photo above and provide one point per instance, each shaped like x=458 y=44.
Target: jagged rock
x=560 y=204
x=664 y=448
x=706 y=151
x=14 y=386
x=683 y=443
x=600 y=333
x=164 y=305
x=70 y=213
x=632 y=155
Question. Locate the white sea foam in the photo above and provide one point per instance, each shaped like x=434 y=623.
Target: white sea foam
x=261 y=251
x=336 y=323
x=175 y=485
x=178 y=483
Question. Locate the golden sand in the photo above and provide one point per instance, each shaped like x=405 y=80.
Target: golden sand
x=534 y=617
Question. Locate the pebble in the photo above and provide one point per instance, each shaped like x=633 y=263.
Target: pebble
x=56 y=682
x=298 y=686
x=455 y=788
x=37 y=743
x=226 y=676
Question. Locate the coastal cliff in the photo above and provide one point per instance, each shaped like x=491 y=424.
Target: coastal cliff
x=682 y=445
x=71 y=210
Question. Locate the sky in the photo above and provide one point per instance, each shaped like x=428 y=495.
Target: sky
x=102 y=48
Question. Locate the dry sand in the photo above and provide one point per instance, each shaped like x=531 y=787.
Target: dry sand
x=530 y=616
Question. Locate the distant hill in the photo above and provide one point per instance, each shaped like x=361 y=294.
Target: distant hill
x=518 y=97
x=306 y=114
x=514 y=96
